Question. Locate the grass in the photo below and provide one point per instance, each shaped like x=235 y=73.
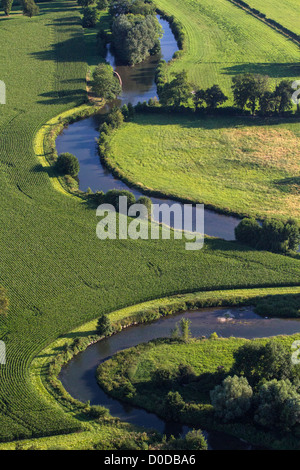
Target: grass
x=285 y=12
x=222 y=41
x=57 y=273
x=246 y=166
x=132 y=369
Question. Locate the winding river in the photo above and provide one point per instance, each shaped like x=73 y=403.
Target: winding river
x=78 y=376
x=80 y=137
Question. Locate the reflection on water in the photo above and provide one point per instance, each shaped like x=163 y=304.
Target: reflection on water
x=78 y=376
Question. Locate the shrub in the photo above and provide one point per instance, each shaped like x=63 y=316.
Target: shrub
x=104 y=327
x=248 y=231
x=30 y=8
x=112 y=197
x=278 y=405
x=67 y=164
x=90 y=17
x=173 y=405
x=231 y=399
x=104 y=83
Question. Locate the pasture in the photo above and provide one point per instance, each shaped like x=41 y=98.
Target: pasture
x=243 y=165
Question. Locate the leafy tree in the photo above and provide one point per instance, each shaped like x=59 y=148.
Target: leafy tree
x=283 y=93
x=102 y=4
x=247 y=89
x=267 y=103
x=135 y=37
x=273 y=236
x=248 y=231
x=231 y=399
x=199 y=98
x=105 y=84
x=259 y=362
x=104 y=327
x=214 y=97
x=90 y=17
x=173 y=405
x=30 y=8
x=85 y=3
x=6 y=6
x=278 y=405
x=112 y=197
x=292 y=234
x=184 y=325
x=115 y=118
x=67 y=164
x=193 y=440
x=176 y=92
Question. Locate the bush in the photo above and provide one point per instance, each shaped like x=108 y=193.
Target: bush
x=90 y=17
x=30 y=8
x=112 y=197
x=231 y=399
x=248 y=231
x=67 y=164
x=104 y=327
x=173 y=405
x=278 y=405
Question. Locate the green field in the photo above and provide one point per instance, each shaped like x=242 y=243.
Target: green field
x=57 y=273
x=285 y=12
x=246 y=166
x=222 y=40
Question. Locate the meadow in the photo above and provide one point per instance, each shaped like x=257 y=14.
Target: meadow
x=58 y=275
x=285 y=12
x=222 y=40
x=247 y=166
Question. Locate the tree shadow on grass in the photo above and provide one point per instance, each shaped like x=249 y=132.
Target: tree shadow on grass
x=273 y=70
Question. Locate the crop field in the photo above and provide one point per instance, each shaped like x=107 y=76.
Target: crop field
x=246 y=166
x=285 y=12
x=222 y=41
x=58 y=275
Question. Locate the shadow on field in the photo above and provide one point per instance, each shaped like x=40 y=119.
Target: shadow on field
x=274 y=70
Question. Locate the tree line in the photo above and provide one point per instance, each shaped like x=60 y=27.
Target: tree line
x=251 y=92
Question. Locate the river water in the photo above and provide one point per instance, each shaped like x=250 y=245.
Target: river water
x=78 y=376
x=80 y=139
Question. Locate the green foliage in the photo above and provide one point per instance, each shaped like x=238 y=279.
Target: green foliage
x=135 y=37
x=193 y=440
x=112 y=197
x=213 y=97
x=104 y=327
x=278 y=405
x=30 y=8
x=231 y=399
x=173 y=405
x=67 y=164
x=102 y=4
x=258 y=362
x=247 y=89
x=6 y=6
x=85 y=3
x=273 y=235
x=105 y=84
x=90 y=17
x=281 y=306
x=177 y=92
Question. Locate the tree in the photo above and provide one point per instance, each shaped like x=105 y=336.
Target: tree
x=6 y=6
x=173 y=405
x=231 y=399
x=90 y=17
x=214 y=97
x=247 y=89
x=267 y=103
x=85 y=3
x=104 y=327
x=278 y=405
x=67 y=164
x=193 y=440
x=259 y=362
x=112 y=197
x=184 y=325
x=102 y=4
x=104 y=83
x=199 y=98
x=135 y=37
x=30 y=8
x=176 y=92
x=248 y=231
x=283 y=93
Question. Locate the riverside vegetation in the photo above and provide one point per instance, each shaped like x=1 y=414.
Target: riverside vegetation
x=56 y=274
